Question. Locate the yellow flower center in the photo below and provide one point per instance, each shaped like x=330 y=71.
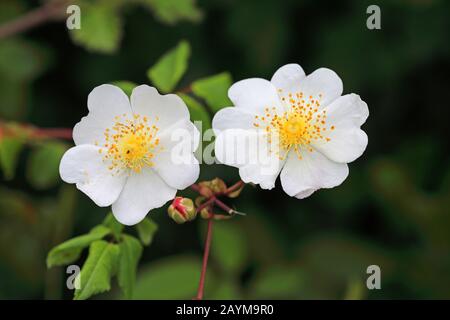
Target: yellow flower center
x=131 y=143
x=303 y=123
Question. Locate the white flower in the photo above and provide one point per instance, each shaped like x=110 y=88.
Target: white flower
x=295 y=124
x=124 y=152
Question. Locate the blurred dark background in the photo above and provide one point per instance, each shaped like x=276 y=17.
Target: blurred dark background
x=392 y=211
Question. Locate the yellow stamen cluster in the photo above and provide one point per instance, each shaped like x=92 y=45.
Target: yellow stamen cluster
x=297 y=128
x=131 y=143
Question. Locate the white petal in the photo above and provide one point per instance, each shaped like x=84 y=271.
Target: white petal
x=254 y=95
x=143 y=192
x=169 y=108
x=249 y=151
x=176 y=164
x=301 y=177
x=83 y=165
x=232 y=118
x=263 y=176
x=288 y=77
x=104 y=103
x=305 y=194
x=347 y=140
x=323 y=82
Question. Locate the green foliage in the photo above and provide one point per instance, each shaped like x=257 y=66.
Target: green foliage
x=277 y=282
x=69 y=251
x=10 y=148
x=172 y=11
x=20 y=62
x=126 y=86
x=355 y=290
x=146 y=230
x=43 y=164
x=102 y=23
x=229 y=247
x=197 y=111
x=119 y=256
x=169 y=69
x=170 y=278
x=100 y=266
x=28 y=57
x=130 y=253
x=228 y=289
x=115 y=226
x=214 y=90
x=101 y=27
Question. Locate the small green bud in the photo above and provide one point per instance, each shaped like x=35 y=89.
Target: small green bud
x=205 y=214
x=182 y=210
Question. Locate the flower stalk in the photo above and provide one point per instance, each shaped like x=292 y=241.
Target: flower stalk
x=201 y=285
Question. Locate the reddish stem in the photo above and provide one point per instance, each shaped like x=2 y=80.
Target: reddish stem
x=201 y=285
x=34 y=132
x=50 y=11
x=223 y=206
x=57 y=133
x=234 y=187
x=205 y=204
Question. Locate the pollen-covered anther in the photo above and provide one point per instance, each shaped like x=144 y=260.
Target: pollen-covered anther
x=131 y=143
x=298 y=127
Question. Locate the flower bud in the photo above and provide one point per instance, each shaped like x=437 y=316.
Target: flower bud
x=216 y=186
x=205 y=214
x=182 y=210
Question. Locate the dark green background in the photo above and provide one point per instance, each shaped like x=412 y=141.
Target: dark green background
x=392 y=211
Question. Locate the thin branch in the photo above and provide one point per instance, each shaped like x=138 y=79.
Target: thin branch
x=234 y=187
x=14 y=129
x=224 y=207
x=55 y=133
x=205 y=204
x=201 y=285
x=51 y=10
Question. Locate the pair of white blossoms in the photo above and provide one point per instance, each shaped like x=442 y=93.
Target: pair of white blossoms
x=134 y=154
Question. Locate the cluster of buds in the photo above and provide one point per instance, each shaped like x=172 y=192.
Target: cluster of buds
x=183 y=209
x=213 y=187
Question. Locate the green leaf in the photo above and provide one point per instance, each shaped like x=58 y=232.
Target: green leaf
x=115 y=226
x=171 y=278
x=101 y=27
x=277 y=282
x=146 y=230
x=100 y=266
x=228 y=289
x=197 y=111
x=10 y=148
x=214 y=90
x=126 y=86
x=21 y=61
x=130 y=253
x=70 y=250
x=169 y=69
x=356 y=290
x=172 y=11
x=43 y=164
x=229 y=246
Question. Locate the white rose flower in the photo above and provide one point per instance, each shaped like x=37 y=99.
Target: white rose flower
x=295 y=124
x=125 y=153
